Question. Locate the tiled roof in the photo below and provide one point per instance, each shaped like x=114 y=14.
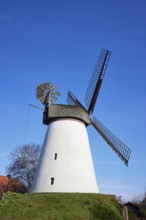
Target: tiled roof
x=11 y=184
x=5 y=181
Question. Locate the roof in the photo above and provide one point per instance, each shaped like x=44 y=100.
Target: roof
x=133 y=208
x=5 y=181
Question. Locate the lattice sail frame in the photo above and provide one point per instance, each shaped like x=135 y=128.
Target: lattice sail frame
x=96 y=80
x=72 y=100
x=118 y=146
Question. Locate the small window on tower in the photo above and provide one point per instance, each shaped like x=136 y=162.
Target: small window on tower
x=55 y=156
x=52 y=180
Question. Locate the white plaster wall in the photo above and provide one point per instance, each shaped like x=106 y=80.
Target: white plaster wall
x=73 y=169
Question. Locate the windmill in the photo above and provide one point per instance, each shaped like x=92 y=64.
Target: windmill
x=65 y=163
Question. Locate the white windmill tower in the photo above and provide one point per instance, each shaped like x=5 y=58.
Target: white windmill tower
x=65 y=163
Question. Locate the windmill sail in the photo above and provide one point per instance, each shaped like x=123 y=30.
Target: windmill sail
x=90 y=100
x=72 y=100
x=96 y=80
x=118 y=146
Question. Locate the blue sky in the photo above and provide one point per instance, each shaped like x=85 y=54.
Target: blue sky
x=59 y=41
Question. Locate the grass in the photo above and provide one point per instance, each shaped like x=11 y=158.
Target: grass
x=63 y=206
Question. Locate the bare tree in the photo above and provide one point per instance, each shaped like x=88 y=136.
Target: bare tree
x=23 y=162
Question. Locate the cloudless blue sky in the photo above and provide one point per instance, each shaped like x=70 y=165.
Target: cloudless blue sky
x=59 y=41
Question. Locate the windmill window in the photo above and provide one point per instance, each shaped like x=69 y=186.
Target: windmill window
x=55 y=156
x=52 y=180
